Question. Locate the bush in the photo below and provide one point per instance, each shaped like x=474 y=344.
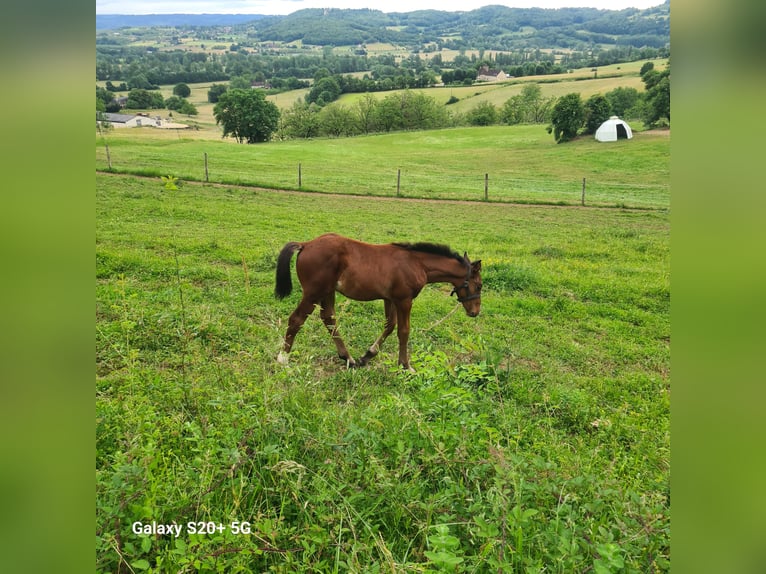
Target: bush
x=484 y=114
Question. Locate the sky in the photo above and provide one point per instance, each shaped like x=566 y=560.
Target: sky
x=289 y=6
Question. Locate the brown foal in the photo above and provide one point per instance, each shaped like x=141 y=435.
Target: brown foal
x=394 y=272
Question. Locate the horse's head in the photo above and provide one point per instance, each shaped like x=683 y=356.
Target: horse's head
x=469 y=292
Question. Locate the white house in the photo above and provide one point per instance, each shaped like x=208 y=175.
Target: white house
x=140 y=120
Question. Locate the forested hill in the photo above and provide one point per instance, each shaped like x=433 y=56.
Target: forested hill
x=113 y=21
x=491 y=27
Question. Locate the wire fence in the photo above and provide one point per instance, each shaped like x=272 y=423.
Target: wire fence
x=423 y=181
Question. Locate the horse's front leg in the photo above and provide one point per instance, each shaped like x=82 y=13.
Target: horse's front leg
x=387 y=330
x=403 y=309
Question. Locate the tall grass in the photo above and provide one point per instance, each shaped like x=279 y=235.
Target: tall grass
x=532 y=438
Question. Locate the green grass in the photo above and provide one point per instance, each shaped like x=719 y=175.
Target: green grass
x=532 y=438
x=523 y=163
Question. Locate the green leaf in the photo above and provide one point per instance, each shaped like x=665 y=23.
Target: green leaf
x=146 y=544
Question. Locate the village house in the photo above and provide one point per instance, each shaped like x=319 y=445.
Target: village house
x=486 y=74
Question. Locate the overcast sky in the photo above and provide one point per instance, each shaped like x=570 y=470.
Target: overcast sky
x=289 y=6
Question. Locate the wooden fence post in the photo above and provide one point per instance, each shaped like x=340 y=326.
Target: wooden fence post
x=398 y=180
x=299 y=176
x=207 y=177
x=108 y=157
x=486 y=187
x=583 y=191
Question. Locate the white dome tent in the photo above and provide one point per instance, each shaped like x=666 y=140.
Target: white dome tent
x=613 y=129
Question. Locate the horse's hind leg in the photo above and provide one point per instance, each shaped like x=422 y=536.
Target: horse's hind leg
x=297 y=318
x=328 y=317
x=387 y=330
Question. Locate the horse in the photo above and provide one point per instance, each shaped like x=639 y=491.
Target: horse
x=394 y=272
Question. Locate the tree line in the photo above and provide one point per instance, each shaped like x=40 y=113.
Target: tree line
x=141 y=99
x=146 y=68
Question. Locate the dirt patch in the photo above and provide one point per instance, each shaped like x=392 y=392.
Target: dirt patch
x=656 y=132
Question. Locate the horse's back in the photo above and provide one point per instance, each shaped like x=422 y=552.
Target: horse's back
x=356 y=269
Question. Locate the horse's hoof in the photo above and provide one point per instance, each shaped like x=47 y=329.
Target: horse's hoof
x=283 y=358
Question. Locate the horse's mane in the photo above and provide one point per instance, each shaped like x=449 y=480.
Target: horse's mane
x=432 y=248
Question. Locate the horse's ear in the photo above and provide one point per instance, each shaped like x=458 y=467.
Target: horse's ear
x=465 y=256
x=476 y=266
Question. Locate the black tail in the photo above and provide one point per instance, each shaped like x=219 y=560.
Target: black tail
x=284 y=281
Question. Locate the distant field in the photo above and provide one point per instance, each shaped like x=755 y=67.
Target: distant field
x=581 y=81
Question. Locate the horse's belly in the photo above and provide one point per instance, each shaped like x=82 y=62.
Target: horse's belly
x=359 y=290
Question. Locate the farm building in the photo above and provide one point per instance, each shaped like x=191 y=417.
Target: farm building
x=487 y=75
x=613 y=129
x=139 y=120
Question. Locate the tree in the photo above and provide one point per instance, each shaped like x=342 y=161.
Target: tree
x=337 y=120
x=645 y=68
x=240 y=83
x=182 y=90
x=174 y=102
x=622 y=99
x=246 y=115
x=657 y=96
x=103 y=95
x=300 y=121
x=140 y=99
x=215 y=92
x=567 y=117
x=365 y=109
x=324 y=91
x=527 y=107
x=597 y=111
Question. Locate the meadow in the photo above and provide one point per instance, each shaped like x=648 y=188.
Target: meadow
x=522 y=164
x=533 y=438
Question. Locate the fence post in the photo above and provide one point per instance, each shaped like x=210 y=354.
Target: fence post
x=398 y=180
x=486 y=187
x=108 y=157
x=299 y=175
x=583 y=191
x=207 y=177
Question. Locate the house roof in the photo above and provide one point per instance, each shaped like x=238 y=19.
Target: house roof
x=118 y=118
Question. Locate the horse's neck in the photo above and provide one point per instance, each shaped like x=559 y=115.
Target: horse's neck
x=443 y=269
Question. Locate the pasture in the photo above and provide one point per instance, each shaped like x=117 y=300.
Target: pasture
x=532 y=438
x=523 y=164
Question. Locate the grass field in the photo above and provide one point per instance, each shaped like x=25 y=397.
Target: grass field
x=532 y=438
x=523 y=164
x=581 y=80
